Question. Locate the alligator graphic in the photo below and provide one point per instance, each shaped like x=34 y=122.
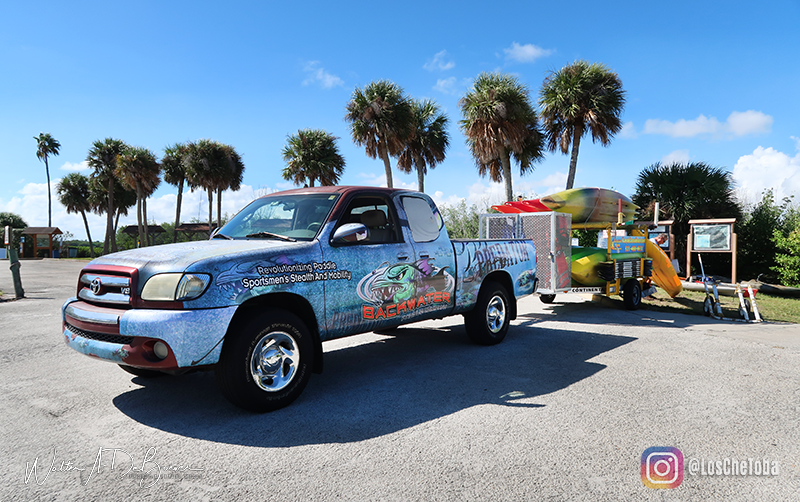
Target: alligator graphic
x=400 y=281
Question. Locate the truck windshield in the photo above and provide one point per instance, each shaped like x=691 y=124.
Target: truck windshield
x=283 y=217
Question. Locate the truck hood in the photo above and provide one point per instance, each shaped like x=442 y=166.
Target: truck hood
x=178 y=257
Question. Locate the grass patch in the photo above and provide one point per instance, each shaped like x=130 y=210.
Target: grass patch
x=771 y=308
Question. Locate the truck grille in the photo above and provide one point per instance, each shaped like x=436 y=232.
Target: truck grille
x=101 y=337
x=105 y=289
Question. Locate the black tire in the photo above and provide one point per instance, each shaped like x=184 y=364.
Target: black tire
x=277 y=376
x=487 y=323
x=632 y=294
x=142 y=372
x=547 y=298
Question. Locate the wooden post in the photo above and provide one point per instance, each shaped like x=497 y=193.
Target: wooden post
x=689 y=245
x=733 y=258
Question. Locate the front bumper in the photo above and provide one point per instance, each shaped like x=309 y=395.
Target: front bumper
x=193 y=337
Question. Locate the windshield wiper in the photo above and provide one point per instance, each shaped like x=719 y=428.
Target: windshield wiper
x=270 y=235
x=222 y=236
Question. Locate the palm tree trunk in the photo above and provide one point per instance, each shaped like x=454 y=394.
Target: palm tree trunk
x=89 y=235
x=49 y=204
x=110 y=242
x=219 y=208
x=505 y=160
x=210 y=209
x=178 y=212
x=139 y=228
x=420 y=173
x=573 y=161
x=388 y=166
x=146 y=225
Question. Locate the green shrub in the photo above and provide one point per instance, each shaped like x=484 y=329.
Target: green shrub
x=788 y=263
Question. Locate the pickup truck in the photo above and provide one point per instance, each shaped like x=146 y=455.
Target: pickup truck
x=289 y=271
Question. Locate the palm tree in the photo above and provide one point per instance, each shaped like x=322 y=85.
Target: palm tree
x=73 y=193
x=47 y=145
x=500 y=123
x=213 y=166
x=312 y=155
x=138 y=168
x=427 y=146
x=102 y=158
x=174 y=166
x=684 y=192
x=580 y=97
x=380 y=120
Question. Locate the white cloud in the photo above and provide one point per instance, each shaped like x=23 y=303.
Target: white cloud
x=676 y=157
x=767 y=168
x=318 y=75
x=485 y=194
x=452 y=85
x=440 y=62
x=81 y=166
x=749 y=122
x=738 y=124
x=527 y=53
x=628 y=131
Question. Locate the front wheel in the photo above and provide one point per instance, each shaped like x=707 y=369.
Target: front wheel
x=267 y=365
x=487 y=323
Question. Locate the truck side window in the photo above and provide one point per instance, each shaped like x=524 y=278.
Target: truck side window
x=376 y=214
x=423 y=222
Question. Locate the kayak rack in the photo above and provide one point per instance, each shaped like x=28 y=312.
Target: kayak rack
x=712 y=306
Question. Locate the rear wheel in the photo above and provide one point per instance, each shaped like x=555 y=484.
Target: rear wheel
x=487 y=323
x=267 y=365
x=632 y=294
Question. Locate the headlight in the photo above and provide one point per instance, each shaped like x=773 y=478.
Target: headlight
x=174 y=287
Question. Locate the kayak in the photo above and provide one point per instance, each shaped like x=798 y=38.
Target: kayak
x=584 y=204
x=585 y=265
x=663 y=274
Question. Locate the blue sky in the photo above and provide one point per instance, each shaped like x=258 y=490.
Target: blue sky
x=706 y=81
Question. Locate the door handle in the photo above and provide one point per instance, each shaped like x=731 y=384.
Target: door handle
x=402 y=256
x=424 y=255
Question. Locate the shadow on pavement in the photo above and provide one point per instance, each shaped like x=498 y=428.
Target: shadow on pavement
x=378 y=388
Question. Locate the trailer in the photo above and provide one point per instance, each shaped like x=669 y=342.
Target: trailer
x=622 y=269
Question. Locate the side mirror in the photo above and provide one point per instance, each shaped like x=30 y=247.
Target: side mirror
x=350 y=233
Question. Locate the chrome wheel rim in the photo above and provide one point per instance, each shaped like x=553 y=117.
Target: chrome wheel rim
x=495 y=314
x=274 y=361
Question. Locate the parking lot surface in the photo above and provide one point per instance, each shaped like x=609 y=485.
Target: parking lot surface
x=563 y=409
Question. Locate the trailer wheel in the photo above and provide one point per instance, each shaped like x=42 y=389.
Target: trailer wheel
x=487 y=323
x=632 y=294
x=547 y=298
x=267 y=365
x=142 y=372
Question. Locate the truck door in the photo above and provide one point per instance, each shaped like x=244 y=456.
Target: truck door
x=434 y=267
x=372 y=279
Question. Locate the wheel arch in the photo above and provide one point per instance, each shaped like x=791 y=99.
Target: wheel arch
x=289 y=302
x=503 y=278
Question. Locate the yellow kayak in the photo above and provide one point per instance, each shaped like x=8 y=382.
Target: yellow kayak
x=663 y=274
x=585 y=262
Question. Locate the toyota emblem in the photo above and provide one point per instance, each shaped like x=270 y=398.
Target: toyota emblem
x=95 y=285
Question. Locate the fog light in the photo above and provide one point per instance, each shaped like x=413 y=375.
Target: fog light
x=161 y=350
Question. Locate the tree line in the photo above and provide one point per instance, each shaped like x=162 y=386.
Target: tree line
x=124 y=176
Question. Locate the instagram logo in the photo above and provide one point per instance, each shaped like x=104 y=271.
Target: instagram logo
x=662 y=467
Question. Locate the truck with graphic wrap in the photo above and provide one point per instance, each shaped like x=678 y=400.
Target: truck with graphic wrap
x=291 y=270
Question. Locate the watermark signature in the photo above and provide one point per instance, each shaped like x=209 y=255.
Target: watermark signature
x=663 y=467
x=147 y=472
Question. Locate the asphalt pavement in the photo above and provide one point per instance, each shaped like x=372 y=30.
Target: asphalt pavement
x=563 y=409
